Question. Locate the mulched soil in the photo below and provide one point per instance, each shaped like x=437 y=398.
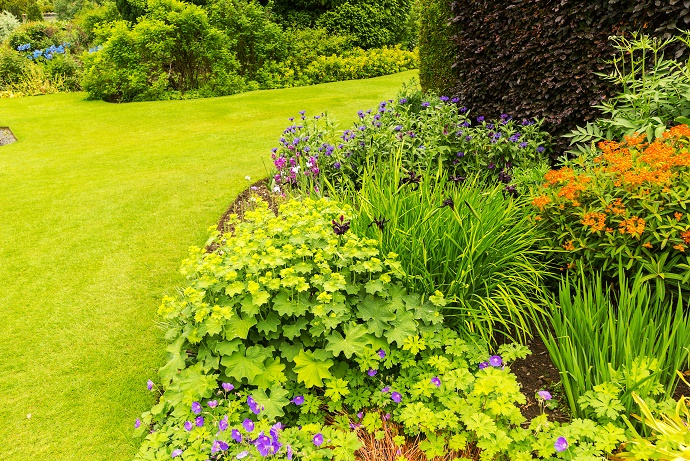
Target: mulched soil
x=534 y=373
x=6 y=136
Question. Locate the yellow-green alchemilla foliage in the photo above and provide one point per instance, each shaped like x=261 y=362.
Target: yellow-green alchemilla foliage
x=286 y=299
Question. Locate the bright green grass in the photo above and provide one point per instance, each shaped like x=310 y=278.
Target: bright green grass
x=98 y=205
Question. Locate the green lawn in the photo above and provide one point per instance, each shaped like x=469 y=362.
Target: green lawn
x=98 y=205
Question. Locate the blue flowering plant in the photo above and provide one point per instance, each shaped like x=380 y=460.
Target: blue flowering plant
x=46 y=54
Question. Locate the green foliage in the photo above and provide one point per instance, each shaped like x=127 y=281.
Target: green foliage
x=33 y=11
x=372 y=24
x=68 y=9
x=257 y=38
x=424 y=130
x=474 y=245
x=655 y=91
x=626 y=206
x=436 y=52
x=172 y=52
x=91 y=19
x=131 y=10
x=305 y=299
x=12 y=67
x=608 y=345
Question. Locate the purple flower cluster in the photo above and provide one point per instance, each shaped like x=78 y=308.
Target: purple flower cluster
x=494 y=361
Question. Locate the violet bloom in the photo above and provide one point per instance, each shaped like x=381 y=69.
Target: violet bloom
x=454 y=100
x=242 y=454
x=460 y=154
x=199 y=421
x=386 y=389
x=176 y=453
x=397 y=128
x=223 y=424
x=515 y=137
x=483 y=365
x=387 y=416
x=465 y=124
x=248 y=425
x=212 y=403
x=480 y=119
x=403 y=101
x=436 y=381
x=522 y=145
x=236 y=435
x=196 y=408
x=149 y=385
x=318 y=439
x=541 y=149
x=227 y=387
x=289 y=452
x=495 y=361
x=561 y=444
x=444 y=98
x=425 y=104
x=396 y=397
x=188 y=425
x=299 y=400
x=263 y=444
x=218 y=445
x=544 y=395
x=372 y=372
x=462 y=109
x=253 y=405
x=137 y=423
x=381 y=353
x=360 y=415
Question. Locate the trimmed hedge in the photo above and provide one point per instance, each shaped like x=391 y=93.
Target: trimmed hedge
x=538 y=58
x=436 y=52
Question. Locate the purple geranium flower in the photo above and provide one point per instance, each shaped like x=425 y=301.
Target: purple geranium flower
x=483 y=365
x=137 y=423
x=436 y=381
x=372 y=372
x=253 y=406
x=242 y=454
x=298 y=400
x=381 y=353
x=248 y=425
x=236 y=435
x=386 y=389
x=149 y=385
x=223 y=424
x=495 y=361
x=196 y=408
x=199 y=421
x=188 y=425
x=541 y=149
x=544 y=395
x=318 y=439
x=212 y=403
x=218 y=445
x=176 y=453
x=227 y=387
x=561 y=444
x=396 y=396
x=289 y=452
x=263 y=444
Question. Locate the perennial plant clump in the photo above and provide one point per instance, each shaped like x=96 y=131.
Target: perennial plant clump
x=628 y=205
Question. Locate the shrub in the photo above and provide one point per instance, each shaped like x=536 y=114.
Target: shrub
x=608 y=345
x=12 y=66
x=173 y=49
x=257 y=38
x=7 y=24
x=541 y=58
x=436 y=51
x=627 y=206
x=426 y=129
x=372 y=24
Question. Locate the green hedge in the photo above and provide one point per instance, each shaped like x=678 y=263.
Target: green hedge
x=436 y=51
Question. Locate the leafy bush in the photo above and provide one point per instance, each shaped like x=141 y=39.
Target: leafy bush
x=257 y=38
x=12 y=66
x=372 y=24
x=427 y=130
x=172 y=51
x=655 y=92
x=607 y=346
x=286 y=299
x=626 y=206
x=473 y=244
x=436 y=52
x=7 y=24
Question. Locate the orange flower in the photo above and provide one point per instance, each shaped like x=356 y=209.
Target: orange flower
x=685 y=236
x=647 y=245
x=678 y=131
x=680 y=247
x=633 y=226
x=616 y=207
x=635 y=139
x=541 y=201
x=569 y=245
x=678 y=215
x=596 y=221
x=537 y=218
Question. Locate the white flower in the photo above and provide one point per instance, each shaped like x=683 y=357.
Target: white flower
x=295 y=169
x=276 y=189
x=248 y=178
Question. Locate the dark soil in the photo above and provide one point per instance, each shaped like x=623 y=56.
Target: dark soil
x=259 y=189
x=6 y=136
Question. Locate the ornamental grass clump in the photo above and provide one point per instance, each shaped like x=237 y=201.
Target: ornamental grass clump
x=627 y=206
